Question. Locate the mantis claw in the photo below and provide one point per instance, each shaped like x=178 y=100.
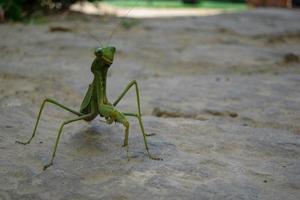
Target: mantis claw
x=19 y=142
x=150 y=134
x=48 y=165
x=127 y=151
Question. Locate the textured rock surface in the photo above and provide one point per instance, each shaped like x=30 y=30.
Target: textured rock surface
x=221 y=92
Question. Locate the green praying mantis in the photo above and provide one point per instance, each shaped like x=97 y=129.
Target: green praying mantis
x=96 y=103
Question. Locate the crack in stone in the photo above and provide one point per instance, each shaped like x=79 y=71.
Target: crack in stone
x=198 y=116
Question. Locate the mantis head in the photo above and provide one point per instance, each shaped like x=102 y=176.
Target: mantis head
x=106 y=54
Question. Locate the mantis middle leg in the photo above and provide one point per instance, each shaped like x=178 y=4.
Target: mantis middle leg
x=59 y=134
x=143 y=131
x=39 y=115
x=133 y=83
x=138 y=115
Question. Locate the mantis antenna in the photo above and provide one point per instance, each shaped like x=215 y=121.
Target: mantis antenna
x=94 y=37
x=116 y=26
x=113 y=30
x=90 y=34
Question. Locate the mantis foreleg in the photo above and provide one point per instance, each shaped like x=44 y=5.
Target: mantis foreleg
x=59 y=134
x=112 y=115
x=39 y=115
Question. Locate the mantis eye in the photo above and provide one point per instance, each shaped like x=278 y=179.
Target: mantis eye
x=98 y=53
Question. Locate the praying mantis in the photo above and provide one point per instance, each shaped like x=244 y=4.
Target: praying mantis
x=96 y=103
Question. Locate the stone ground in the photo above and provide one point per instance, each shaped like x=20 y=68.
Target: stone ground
x=221 y=92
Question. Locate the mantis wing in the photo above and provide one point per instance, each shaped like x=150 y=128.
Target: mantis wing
x=84 y=108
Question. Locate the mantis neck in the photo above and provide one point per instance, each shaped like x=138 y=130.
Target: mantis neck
x=101 y=79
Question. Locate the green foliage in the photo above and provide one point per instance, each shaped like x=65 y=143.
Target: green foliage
x=23 y=9
x=215 y=4
x=12 y=8
x=190 y=1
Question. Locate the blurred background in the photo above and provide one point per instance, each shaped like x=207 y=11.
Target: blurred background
x=18 y=9
x=219 y=83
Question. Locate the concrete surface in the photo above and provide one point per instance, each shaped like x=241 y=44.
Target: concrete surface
x=221 y=92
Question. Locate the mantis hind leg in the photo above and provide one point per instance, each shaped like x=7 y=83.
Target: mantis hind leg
x=39 y=116
x=133 y=83
x=83 y=117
